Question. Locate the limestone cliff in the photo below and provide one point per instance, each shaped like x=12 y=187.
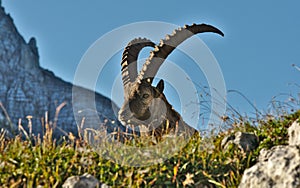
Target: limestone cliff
x=27 y=89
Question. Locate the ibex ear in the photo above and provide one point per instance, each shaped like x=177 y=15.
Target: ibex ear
x=160 y=86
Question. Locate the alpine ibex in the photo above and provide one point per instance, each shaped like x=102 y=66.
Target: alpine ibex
x=145 y=104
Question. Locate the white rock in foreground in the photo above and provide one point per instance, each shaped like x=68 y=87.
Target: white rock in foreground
x=294 y=134
x=86 y=181
x=278 y=167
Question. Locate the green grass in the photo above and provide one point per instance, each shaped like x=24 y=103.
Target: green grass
x=35 y=162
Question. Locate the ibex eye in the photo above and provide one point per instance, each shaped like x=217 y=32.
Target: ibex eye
x=145 y=96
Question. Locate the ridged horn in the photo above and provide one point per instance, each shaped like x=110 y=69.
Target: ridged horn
x=129 y=60
x=167 y=45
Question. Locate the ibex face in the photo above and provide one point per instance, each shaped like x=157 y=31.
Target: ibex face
x=145 y=104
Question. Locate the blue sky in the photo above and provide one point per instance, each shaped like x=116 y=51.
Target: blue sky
x=261 y=40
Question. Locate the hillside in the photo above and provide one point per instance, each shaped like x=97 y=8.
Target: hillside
x=30 y=93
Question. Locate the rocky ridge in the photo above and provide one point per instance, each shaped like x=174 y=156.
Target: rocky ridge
x=28 y=92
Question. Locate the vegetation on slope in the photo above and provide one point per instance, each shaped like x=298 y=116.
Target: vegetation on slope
x=35 y=162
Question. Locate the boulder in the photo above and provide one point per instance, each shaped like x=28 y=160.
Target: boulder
x=294 y=134
x=245 y=141
x=86 y=181
x=278 y=167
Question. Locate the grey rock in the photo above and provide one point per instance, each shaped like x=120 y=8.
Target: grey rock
x=245 y=141
x=278 y=167
x=33 y=45
x=27 y=89
x=86 y=181
x=294 y=134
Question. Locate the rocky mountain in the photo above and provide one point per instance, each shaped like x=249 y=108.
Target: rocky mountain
x=28 y=92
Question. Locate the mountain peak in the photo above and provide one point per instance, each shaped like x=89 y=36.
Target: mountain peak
x=26 y=89
x=12 y=43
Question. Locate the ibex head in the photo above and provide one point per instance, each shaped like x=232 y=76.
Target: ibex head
x=144 y=103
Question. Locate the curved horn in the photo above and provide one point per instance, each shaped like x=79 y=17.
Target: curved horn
x=129 y=59
x=166 y=46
